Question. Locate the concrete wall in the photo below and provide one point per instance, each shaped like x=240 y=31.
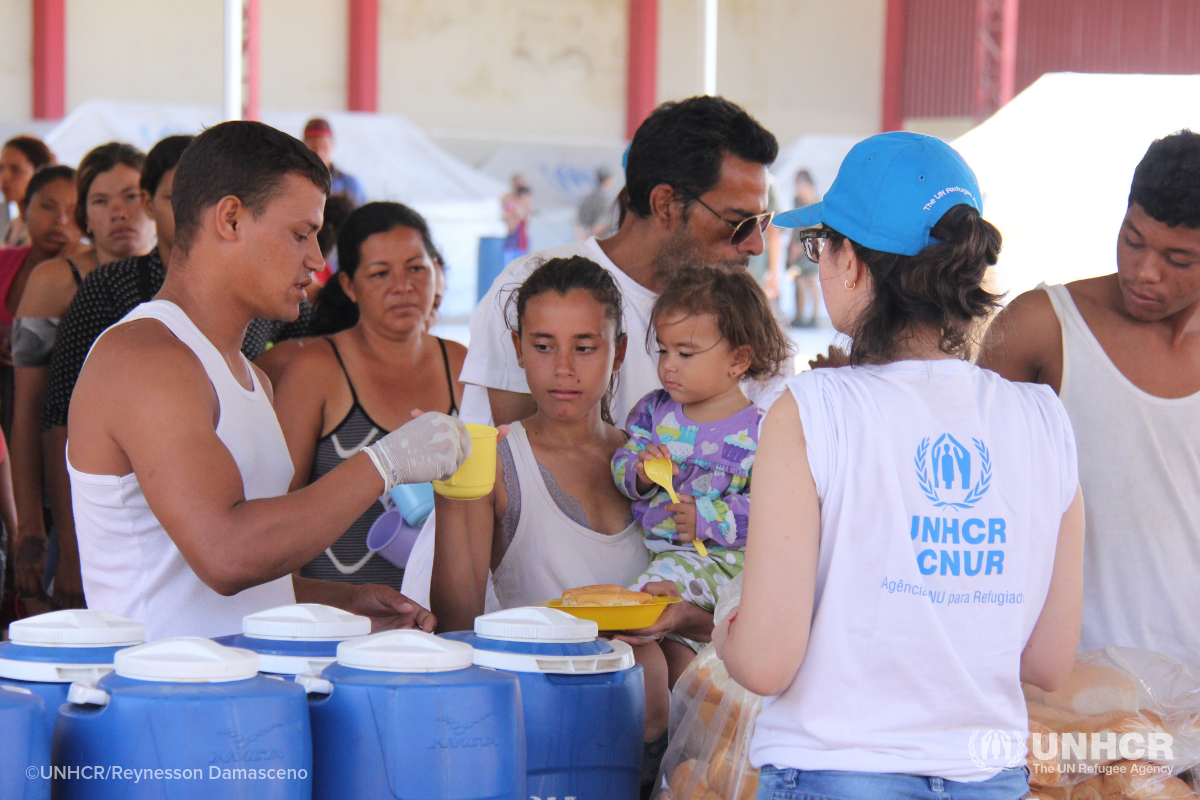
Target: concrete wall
x=16 y=26
x=800 y=66
x=478 y=72
x=303 y=54
x=155 y=51
x=525 y=67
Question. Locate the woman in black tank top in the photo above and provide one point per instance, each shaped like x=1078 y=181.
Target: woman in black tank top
x=345 y=391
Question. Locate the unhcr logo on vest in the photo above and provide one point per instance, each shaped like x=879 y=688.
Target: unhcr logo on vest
x=951 y=476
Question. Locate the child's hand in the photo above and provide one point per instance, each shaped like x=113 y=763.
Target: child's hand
x=651 y=451
x=684 y=514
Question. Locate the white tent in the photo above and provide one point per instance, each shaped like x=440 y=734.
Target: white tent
x=1055 y=164
x=391 y=157
x=820 y=154
x=560 y=175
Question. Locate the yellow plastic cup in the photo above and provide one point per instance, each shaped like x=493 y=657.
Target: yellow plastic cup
x=477 y=474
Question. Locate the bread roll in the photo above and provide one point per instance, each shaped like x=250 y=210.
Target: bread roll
x=681 y=777
x=1133 y=780
x=725 y=767
x=1093 y=689
x=596 y=587
x=710 y=713
x=1047 y=771
x=749 y=784
x=1144 y=722
x=721 y=766
x=604 y=595
x=1032 y=693
x=1091 y=789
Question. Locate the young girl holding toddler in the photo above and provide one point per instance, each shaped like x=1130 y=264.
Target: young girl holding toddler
x=713 y=328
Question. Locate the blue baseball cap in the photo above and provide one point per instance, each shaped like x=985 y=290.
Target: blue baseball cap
x=890 y=191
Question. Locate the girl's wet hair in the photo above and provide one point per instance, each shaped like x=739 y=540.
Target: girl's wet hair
x=562 y=276
x=740 y=307
x=941 y=286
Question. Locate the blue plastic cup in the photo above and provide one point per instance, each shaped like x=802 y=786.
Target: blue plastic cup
x=414 y=501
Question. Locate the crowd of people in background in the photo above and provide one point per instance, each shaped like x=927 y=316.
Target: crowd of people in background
x=238 y=348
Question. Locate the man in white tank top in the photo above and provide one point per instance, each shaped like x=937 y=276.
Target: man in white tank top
x=179 y=470
x=1123 y=353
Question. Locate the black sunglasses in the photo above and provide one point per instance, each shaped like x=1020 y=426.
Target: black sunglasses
x=743 y=228
x=814 y=240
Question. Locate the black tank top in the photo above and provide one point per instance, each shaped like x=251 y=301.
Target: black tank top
x=350 y=563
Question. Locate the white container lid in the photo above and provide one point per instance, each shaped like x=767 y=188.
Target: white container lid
x=305 y=621
x=77 y=627
x=405 y=651
x=619 y=659
x=535 y=624
x=186 y=659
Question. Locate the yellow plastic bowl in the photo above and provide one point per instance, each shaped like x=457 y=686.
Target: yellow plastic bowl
x=618 y=618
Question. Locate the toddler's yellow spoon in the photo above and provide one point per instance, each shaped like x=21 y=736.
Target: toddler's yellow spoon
x=659 y=470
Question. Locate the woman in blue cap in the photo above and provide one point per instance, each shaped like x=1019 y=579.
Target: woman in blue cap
x=916 y=541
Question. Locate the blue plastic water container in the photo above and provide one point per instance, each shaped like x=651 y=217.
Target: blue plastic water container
x=187 y=719
x=25 y=754
x=405 y=715
x=298 y=638
x=491 y=264
x=584 y=700
x=49 y=652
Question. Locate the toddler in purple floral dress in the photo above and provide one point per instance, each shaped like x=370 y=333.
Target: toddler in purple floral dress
x=713 y=328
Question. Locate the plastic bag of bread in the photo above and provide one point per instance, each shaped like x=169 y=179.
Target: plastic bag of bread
x=1124 y=725
x=712 y=722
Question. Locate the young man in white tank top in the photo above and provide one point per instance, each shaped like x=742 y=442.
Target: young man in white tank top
x=179 y=470
x=1123 y=353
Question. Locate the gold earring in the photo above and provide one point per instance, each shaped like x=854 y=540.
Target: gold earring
x=849 y=284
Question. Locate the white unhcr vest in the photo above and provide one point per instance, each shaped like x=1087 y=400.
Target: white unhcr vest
x=942 y=489
x=130 y=565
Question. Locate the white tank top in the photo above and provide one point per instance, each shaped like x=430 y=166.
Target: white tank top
x=1139 y=466
x=942 y=489
x=550 y=552
x=130 y=565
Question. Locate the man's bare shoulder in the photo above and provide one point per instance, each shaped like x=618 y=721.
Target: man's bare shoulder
x=1101 y=291
x=141 y=357
x=1024 y=342
x=1033 y=306
x=140 y=389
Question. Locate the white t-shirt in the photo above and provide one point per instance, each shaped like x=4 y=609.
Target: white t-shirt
x=942 y=489
x=492 y=362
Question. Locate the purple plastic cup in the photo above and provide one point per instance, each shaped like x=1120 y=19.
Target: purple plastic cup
x=392 y=538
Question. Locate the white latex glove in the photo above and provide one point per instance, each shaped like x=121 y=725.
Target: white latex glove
x=430 y=448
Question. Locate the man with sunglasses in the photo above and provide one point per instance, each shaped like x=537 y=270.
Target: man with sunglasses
x=695 y=193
